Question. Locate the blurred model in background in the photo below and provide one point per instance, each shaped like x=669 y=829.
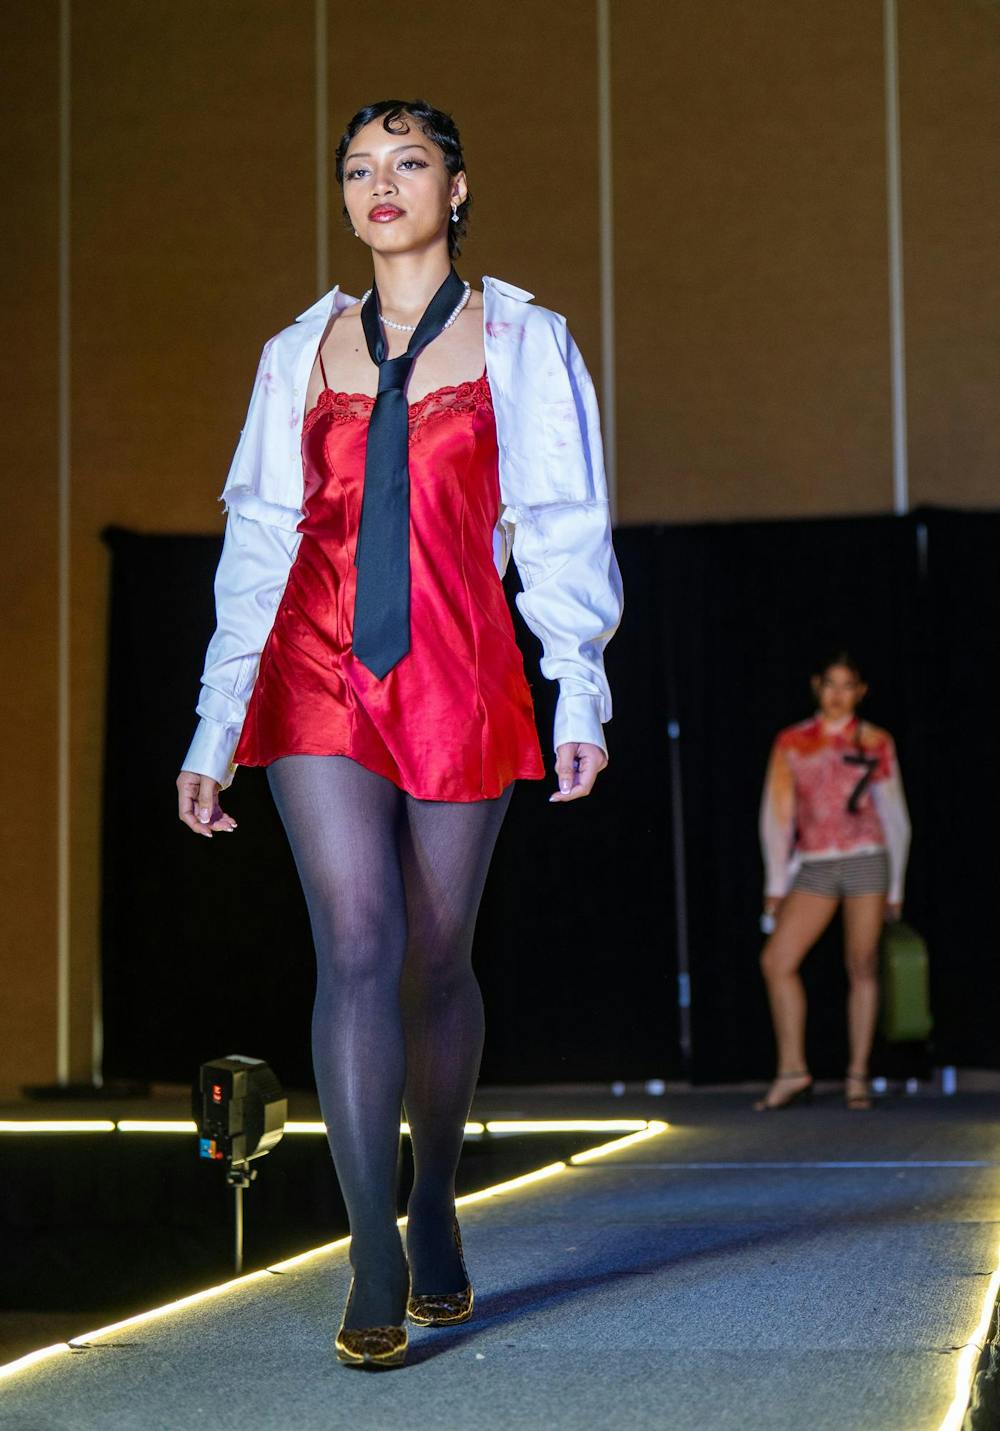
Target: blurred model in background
x=835 y=831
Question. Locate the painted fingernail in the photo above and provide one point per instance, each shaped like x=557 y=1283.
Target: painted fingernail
x=564 y=785
x=203 y=815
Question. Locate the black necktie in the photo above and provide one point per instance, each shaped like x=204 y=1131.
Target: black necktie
x=382 y=556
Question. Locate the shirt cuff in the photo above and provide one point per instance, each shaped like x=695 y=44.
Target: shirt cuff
x=211 y=752
x=578 y=719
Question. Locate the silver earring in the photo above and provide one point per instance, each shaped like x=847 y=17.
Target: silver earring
x=454 y=213
x=355 y=233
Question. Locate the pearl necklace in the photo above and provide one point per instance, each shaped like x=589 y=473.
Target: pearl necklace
x=412 y=327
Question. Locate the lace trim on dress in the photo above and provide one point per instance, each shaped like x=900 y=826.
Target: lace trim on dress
x=462 y=397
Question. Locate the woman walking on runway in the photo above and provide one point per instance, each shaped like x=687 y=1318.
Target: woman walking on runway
x=834 y=830
x=397 y=450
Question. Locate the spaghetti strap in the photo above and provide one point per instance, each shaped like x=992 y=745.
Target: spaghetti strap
x=322 y=369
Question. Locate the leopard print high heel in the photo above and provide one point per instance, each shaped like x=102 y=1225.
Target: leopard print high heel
x=443 y=1309
x=374 y=1348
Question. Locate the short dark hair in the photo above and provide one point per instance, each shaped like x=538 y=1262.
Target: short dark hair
x=840 y=658
x=438 y=126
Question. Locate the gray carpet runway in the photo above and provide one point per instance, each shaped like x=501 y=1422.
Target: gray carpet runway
x=809 y=1271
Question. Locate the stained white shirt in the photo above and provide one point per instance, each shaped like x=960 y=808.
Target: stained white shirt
x=554 y=517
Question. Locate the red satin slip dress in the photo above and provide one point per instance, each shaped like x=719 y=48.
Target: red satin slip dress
x=453 y=719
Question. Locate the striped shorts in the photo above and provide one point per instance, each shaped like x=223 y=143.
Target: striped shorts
x=847 y=875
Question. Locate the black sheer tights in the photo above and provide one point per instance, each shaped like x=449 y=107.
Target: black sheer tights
x=393 y=886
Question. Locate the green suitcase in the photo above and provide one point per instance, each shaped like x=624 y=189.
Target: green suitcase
x=906 y=1005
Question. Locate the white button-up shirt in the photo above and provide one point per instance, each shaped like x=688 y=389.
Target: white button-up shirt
x=554 y=517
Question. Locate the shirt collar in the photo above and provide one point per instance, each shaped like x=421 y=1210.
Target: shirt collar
x=842 y=726
x=323 y=306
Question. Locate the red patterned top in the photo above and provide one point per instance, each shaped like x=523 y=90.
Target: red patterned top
x=830 y=791
x=453 y=719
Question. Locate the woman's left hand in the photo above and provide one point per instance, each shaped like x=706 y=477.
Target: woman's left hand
x=577 y=766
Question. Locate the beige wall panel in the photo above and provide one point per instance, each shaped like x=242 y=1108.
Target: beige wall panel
x=29 y=126
x=749 y=172
x=521 y=82
x=193 y=238
x=950 y=138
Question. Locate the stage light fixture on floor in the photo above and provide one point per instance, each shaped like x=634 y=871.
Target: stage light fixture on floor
x=240 y=1111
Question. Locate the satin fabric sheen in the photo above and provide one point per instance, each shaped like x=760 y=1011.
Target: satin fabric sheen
x=453 y=719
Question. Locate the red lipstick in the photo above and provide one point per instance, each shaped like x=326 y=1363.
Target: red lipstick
x=384 y=213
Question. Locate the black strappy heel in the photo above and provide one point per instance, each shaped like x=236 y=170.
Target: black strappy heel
x=858 y=1102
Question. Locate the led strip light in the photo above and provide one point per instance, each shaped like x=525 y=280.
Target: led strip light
x=968 y=1359
x=180 y=1125
x=648 y=1130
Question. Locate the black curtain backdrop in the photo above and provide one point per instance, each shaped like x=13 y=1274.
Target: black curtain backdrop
x=206 y=943
x=748 y=613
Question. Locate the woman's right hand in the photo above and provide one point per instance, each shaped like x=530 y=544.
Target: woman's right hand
x=769 y=913
x=198 y=804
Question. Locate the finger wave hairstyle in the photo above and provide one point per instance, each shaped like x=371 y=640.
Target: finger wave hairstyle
x=437 y=126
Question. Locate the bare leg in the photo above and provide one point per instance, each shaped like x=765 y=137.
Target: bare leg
x=863 y=918
x=802 y=918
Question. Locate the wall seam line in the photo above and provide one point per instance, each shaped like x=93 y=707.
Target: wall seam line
x=607 y=269
x=63 y=945
x=322 y=146
x=900 y=459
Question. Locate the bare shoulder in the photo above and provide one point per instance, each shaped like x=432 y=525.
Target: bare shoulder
x=345 y=331
x=801 y=733
x=872 y=734
x=471 y=316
